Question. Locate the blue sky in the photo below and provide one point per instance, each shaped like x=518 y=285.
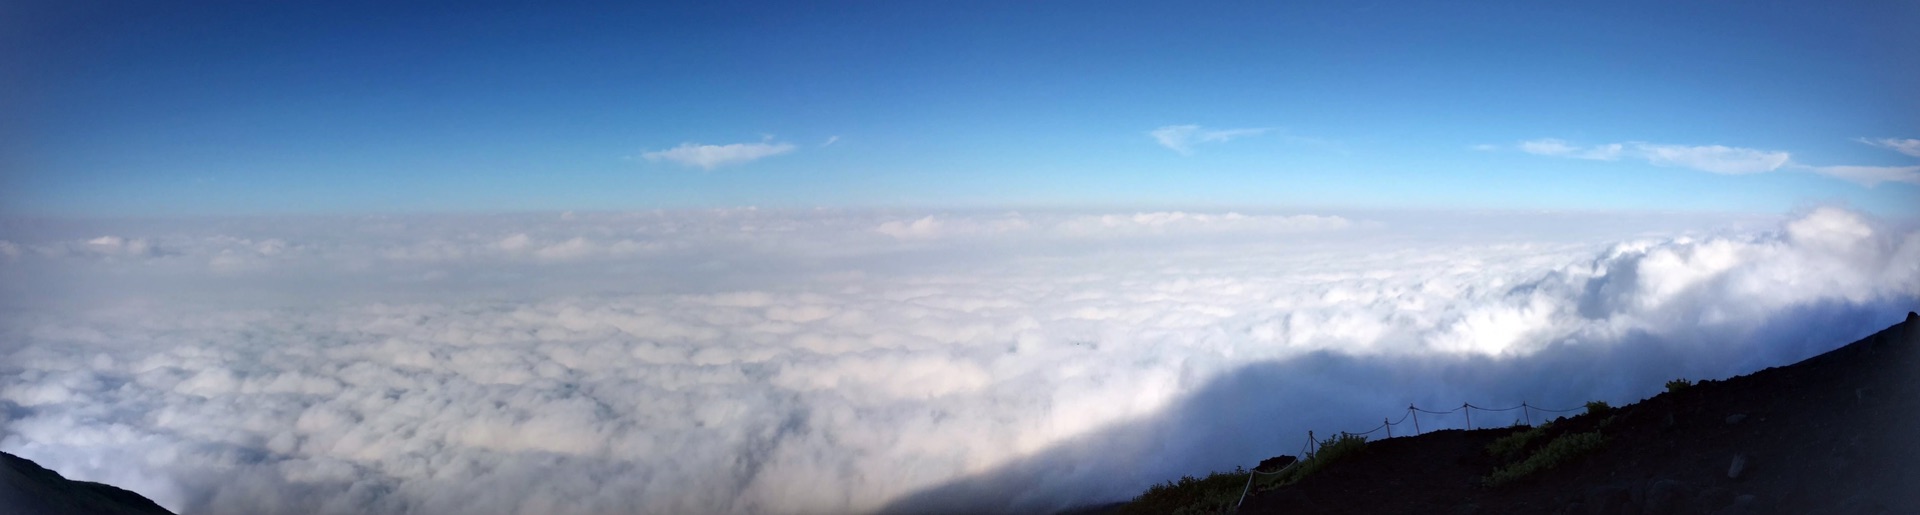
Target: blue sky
x=240 y=108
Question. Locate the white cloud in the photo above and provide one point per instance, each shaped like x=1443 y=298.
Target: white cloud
x=830 y=141
x=753 y=361
x=1182 y=138
x=1707 y=158
x=708 y=157
x=1871 y=176
x=1908 y=146
x=1558 y=148
x=1713 y=158
x=1014 y=226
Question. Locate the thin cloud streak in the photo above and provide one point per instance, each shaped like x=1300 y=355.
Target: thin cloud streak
x=1908 y=146
x=1871 y=176
x=708 y=157
x=1182 y=138
x=1707 y=158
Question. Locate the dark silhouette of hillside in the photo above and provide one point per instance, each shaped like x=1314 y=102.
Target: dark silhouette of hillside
x=26 y=488
x=1831 y=434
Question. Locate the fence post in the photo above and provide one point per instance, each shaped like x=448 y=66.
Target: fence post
x=1469 y=409
x=1415 y=413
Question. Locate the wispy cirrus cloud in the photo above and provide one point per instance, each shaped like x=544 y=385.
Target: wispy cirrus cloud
x=708 y=157
x=1871 y=176
x=1560 y=148
x=1908 y=146
x=1707 y=158
x=1182 y=138
x=1714 y=158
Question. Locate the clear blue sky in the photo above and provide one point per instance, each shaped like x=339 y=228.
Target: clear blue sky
x=261 y=107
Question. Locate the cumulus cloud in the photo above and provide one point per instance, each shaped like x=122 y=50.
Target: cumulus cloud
x=748 y=361
x=1182 y=138
x=1908 y=146
x=1708 y=158
x=708 y=157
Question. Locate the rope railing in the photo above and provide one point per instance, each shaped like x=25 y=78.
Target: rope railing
x=1308 y=450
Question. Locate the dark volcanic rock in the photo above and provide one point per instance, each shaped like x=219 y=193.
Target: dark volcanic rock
x=1830 y=434
x=26 y=488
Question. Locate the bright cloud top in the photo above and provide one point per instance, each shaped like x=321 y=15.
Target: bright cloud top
x=708 y=157
x=1707 y=158
x=765 y=362
x=1182 y=138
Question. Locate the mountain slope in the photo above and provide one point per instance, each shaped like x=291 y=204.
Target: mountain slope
x=1830 y=434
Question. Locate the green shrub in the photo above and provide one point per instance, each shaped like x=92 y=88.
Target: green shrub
x=1676 y=385
x=1507 y=448
x=1597 y=407
x=1555 y=453
x=1332 y=450
x=1212 y=494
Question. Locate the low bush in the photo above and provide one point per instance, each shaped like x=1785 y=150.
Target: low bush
x=1509 y=447
x=1598 y=407
x=1332 y=450
x=1676 y=385
x=1212 y=494
x=1557 y=452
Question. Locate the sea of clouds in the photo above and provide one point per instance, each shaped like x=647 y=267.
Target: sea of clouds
x=827 y=361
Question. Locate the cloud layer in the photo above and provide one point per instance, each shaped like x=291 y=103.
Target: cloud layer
x=785 y=362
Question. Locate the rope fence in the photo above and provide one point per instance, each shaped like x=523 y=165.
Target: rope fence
x=1308 y=450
